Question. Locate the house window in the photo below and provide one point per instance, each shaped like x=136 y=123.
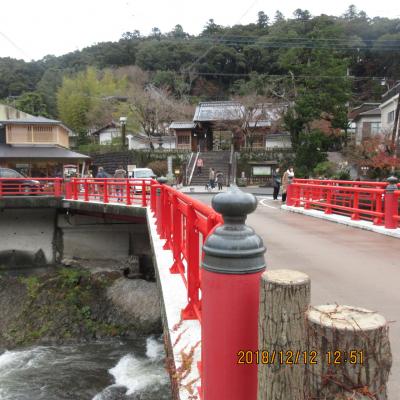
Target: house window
x=183 y=139
x=390 y=116
x=375 y=128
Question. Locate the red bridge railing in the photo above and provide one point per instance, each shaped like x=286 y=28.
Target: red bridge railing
x=371 y=201
x=31 y=187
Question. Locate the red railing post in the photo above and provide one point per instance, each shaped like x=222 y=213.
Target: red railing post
x=68 y=190
x=231 y=270
x=167 y=220
x=290 y=194
x=391 y=204
x=75 y=188
x=177 y=266
x=128 y=193
x=160 y=208
x=356 y=215
x=328 y=209
x=153 y=197
x=193 y=269
x=57 y=187
x=105 y=191
x=144 y=193
x=86 y=190
x=378 y=208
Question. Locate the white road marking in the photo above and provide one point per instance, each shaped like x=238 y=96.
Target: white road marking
x=263 y=203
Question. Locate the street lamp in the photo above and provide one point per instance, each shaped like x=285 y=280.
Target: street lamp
x=364 y=170
x=122 y=121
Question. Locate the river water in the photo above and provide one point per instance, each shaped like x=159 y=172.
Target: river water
x=103 y=370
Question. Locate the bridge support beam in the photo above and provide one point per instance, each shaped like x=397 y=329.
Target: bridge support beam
x=232 y=266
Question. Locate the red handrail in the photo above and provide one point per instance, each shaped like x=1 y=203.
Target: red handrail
x=358 y=200
x=31 y=187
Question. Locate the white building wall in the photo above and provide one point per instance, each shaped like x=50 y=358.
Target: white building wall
x=386 y=108
x=106 y=136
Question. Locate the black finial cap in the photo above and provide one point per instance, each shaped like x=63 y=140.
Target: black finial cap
x=234 y=247
x=162 y=180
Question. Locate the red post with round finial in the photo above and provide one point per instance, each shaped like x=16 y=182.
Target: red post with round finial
x=231 y=269
x=391 y=203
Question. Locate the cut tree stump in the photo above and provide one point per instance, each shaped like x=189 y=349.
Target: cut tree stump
x=284 y=299
x=352 y=353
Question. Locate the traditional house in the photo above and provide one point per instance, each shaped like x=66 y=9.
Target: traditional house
x=107 y=133
x=219 y=124
x=186 y=134
x=36 y=146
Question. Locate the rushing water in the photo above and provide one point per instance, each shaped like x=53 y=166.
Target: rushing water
x=103 y=370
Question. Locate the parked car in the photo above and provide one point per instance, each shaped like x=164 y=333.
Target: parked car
x=17 y=184
x=141 y=173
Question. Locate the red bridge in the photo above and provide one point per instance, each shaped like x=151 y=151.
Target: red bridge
x=225 y=308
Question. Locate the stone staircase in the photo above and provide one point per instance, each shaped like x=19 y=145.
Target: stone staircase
x=219 y=160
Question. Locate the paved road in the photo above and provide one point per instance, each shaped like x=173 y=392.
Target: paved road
x=346 y=265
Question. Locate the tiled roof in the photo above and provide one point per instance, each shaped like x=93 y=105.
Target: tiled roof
x=218 y=111
x=370 y=113
x=42 y=152
x=34 y=120
x=182 y=125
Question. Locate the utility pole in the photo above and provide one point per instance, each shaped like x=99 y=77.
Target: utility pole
x=122 y=121
x=395 y=132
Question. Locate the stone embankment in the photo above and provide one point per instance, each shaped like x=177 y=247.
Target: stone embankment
x=75 y=302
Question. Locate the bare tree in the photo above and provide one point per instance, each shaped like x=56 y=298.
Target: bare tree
x=155 y=109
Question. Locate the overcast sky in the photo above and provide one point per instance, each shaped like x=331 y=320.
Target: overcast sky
x=31 y=29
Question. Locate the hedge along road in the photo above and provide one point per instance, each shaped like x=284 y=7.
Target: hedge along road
x=346 y=265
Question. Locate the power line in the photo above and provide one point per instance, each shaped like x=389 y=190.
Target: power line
x=15 y=45
x=283 y=76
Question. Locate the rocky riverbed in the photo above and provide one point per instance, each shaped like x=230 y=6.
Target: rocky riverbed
x=74 y=302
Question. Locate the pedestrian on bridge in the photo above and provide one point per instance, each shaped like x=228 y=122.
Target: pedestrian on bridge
x=120 y=173
x=211 y=177
x=286 y=180
x=276 y=178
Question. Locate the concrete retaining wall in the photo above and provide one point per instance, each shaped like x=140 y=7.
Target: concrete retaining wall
x=28 y=231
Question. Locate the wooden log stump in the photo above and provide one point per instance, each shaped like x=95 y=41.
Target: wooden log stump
x=284 y=299
x=352 y=353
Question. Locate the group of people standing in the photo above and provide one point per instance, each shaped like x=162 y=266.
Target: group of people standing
x=284 y=182
x=215 y=177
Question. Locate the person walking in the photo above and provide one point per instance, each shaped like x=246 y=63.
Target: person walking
x=120 y=173
x=101 y=174
x=199 y=165
x=286 y=180
x=220 y=179
x=276 y=178
x=211 y=177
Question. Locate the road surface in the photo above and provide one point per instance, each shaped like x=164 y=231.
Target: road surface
x=346 y=265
